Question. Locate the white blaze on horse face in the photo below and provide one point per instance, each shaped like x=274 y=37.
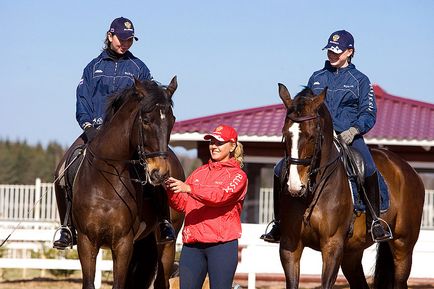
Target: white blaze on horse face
x=294 y=182
x=162 y=114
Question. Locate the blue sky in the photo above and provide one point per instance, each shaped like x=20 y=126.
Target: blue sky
x=227 y=54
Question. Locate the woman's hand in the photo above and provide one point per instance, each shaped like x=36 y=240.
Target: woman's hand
x=177 y=186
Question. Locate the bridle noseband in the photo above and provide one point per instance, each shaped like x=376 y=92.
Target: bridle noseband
x=310 y=160
x=143 y=156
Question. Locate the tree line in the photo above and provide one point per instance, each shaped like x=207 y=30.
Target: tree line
x=21 y=163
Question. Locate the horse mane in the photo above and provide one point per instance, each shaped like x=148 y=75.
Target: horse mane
x=149 y=95
x=301 y=99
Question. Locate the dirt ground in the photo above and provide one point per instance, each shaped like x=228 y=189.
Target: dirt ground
x=71 y=283
x=14 y=279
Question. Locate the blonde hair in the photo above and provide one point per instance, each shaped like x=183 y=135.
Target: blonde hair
x=238 y=154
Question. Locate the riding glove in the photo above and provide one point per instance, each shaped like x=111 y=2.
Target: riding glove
x=90 y=133
x=349 y=134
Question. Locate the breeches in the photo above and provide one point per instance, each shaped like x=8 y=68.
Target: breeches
x=360 y=145
x=219 y=260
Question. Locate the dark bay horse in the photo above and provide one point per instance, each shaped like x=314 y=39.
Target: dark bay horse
x=317 y=209
x=122 y=167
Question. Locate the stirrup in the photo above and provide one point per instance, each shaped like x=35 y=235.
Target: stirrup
x=71 y=244
x=275 y=239
x=170 y=237
x=388 y=232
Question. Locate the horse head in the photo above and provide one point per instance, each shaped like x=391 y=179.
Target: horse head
x=154 y=124
x=138 y=124
x=303 y=137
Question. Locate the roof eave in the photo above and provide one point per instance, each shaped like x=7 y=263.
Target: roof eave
x=186 y=139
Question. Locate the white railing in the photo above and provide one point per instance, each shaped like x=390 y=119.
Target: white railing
x=266 y=208
x=266 y=203
x=34 y=206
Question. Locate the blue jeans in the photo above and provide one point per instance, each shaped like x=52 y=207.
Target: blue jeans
x=219 y=260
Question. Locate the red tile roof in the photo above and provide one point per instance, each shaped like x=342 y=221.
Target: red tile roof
x=399 y=120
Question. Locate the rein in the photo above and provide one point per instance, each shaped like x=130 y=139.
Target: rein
x=142 y=159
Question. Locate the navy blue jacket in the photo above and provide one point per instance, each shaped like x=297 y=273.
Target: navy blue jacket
x=102 y=77
x=350 y=97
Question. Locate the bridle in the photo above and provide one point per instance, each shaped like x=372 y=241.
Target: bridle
x=308 y=161
x=315 y=184
x=142 y=159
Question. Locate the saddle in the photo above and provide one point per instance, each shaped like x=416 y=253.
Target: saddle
x=353 y=162
x=72 y=163
x=355 y=168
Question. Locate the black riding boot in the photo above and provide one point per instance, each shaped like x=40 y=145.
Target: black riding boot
x=379 y=234
x=274 y=235
x=167 y=232
x=67 y=238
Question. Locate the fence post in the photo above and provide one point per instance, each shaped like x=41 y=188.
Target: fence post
x=98 y=271
x=37 y=209
x=251 y=277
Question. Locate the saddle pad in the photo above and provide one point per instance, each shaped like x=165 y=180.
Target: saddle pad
x=359 y=206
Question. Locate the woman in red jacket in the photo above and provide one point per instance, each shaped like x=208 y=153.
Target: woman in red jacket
x=212 y=199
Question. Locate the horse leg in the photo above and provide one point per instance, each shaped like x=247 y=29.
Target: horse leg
x=402 y=257
x=121 y=254
x=332 y=253
x=87 y=253
x=353 y=269
x=291 y=265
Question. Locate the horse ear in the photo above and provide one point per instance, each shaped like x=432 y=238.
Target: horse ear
x=172 y=86
x=319 y=99
x=138 y=85
x=284 y=95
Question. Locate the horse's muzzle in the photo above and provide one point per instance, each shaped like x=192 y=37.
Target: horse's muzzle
x=157 y=178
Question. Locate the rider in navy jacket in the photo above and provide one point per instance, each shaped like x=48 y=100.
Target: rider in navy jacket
x=351 y=101
x=350 y=97
x=103 y=76
x=115 y=69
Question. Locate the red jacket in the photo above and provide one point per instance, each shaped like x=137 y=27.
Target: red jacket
x=213 y=208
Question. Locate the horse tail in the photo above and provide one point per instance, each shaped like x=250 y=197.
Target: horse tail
x=143 y=264
x=384 y=274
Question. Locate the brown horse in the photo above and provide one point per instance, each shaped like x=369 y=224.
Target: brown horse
x=118 y=179
x=316 y=205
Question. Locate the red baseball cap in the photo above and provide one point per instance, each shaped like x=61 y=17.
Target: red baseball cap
x=223 y=133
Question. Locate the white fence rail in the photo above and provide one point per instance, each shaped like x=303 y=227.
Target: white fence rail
x=266 y=208
x=34 y=208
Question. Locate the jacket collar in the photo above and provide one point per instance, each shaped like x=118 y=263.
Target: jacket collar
x=330 y=68
x=219 y=165
x=105 y=55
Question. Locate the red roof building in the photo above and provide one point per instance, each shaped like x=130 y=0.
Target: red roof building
x=401 y=122
x=403 y=125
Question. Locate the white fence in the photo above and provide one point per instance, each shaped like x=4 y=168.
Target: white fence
x=266 y=208
x=34 y=208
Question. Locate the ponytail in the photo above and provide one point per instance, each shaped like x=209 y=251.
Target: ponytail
x=239 y=154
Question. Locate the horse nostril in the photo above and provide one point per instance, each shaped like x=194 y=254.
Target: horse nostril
x=158 y=178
